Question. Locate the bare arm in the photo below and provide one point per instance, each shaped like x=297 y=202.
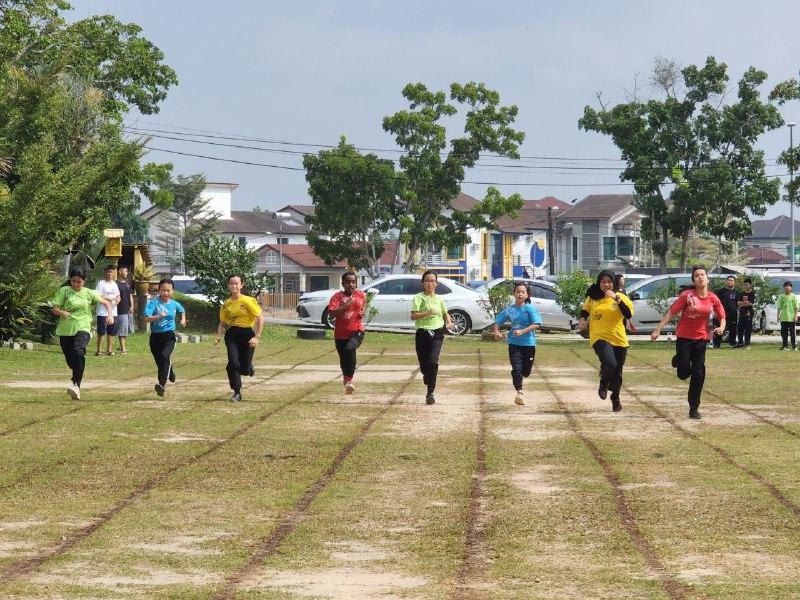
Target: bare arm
x=259 y=328
x=664 y=320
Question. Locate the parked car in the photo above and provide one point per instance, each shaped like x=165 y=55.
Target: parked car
x=543 y=297
x=393 y=294
x=186 y=285
x=768 y=319
x=645 y=317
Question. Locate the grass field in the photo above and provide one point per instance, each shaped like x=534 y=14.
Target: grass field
x=301 y=492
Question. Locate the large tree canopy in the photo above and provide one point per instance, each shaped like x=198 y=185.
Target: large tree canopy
x=356 y=203
x=66 y=167
x=432 y=175
x=690 y=155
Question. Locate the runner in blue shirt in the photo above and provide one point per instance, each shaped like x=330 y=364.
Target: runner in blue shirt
x=161 y=312
x=525 y=319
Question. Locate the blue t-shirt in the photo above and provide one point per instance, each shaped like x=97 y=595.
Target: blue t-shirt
x=155 y=307
x=520 y=317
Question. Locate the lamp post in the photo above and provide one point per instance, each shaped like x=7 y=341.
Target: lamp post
x=278 y=216
x=791 y=125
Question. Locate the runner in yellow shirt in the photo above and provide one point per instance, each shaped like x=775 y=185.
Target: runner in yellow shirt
x=238 y=314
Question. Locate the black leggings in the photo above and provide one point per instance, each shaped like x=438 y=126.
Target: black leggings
x=612 y=359
x=730 y=326
x=787 y=332
x=691 y=358
x=161 y=347
x=347 y=353
x=428 y=343
x=74 y=349
x=521 y=358
x=240 y=355
x=745 y=330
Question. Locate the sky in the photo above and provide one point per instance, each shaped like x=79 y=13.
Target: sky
x=306 y=73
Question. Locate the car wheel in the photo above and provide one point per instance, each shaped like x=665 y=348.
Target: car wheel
x=327 y=319
x=461 y=322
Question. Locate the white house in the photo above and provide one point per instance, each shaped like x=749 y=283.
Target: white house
x=251 y=228
x=602 y=231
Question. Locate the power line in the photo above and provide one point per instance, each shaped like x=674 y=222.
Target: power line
x=288 y=168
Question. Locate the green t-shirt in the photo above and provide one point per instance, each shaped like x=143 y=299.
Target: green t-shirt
x=787 y=307
x=79 y=306
x=422 y=303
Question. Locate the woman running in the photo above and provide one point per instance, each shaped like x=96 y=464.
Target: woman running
x=525 y=320
x=347 y=308
x=161 y=312
x=429 y=312
x=72 y=304
x=238 y=314
x=606 y=309
x=695 y=306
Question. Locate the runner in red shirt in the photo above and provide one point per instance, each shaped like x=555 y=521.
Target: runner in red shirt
x=347 y=308
x=695 y=307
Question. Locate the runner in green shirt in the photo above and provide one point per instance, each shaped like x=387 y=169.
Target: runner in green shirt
x=787 y=315
x=73 y=305
x=430 y=314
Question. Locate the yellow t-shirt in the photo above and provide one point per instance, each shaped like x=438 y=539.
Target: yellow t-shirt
x=241 y=312
x=606 y=321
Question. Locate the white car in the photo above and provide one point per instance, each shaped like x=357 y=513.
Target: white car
x=768 y=319
x=543 y=297
x=186 y=285
x=393 y=294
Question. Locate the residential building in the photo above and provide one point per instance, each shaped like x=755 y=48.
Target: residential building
x=251 y=228
x=774 y=234
x=602 y=231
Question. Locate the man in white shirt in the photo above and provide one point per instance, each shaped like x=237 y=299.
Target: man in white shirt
x=107 y=289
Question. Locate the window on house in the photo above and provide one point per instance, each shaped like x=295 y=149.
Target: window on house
x=455 y=252
x=574 y=248
x=282 y=240
x=609 y=248
x=170 y=246
x=242 y=240
x=625 y=246
x=318 y=282
x=272 y=257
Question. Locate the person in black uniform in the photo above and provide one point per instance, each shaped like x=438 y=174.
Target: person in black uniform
x=730 y=298
x=746 y=302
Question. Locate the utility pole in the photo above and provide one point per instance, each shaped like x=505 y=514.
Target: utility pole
x=551 y=255
x=791 y=198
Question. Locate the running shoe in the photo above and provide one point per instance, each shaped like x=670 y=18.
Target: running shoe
x=429 y=399
x=747 y=347
x=675 y=362
x=602 y=391
x=236 y=397
x=172 y=375
x=694 y=413
x=74 y=392
x=349 y=388
x=785 y=348
x=616 y=405
x=520 y=399
x=159 y=389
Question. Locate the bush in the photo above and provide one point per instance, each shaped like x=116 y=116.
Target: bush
x=24 y=308
x=571 y=292
x=201 y=316
x=495 y=300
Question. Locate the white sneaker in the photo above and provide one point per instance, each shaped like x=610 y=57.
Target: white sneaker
x=520 y=399
x=74 y=392
x=349 y=388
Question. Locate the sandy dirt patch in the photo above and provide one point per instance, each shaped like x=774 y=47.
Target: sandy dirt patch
x=180 y=438
x=452 y=413
x=21 y=525
x=752 y=566
x=16 y=549
x=536 y=480
x=186 y=545
x=85 y=575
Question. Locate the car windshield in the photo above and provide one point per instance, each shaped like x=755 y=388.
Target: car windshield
x=187 y=286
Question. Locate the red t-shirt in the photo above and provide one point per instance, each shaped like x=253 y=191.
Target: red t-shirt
x=695 y=313
x=350 y=322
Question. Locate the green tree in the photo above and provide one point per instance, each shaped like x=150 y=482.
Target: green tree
x=66 y=166
x=355 y=205
x=691 y=156
x=187 y=220
x=571 y=292
x=431 y=176
x=214 y=258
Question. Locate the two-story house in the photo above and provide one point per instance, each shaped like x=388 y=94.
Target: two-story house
x=602 y=231
x=772 y=235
